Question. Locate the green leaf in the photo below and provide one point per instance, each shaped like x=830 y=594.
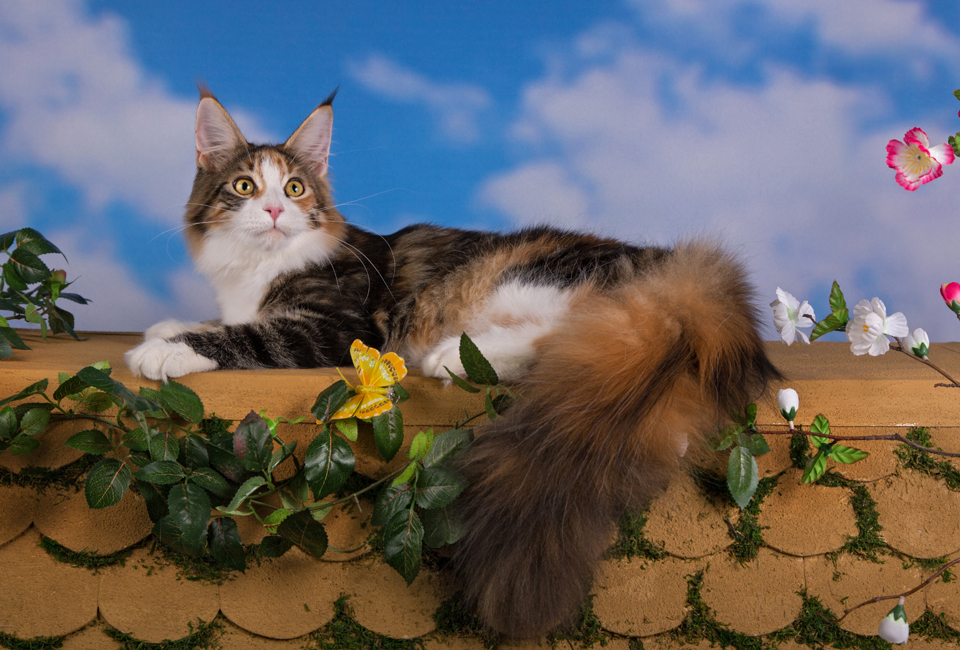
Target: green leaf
x=437 y=487
x=403 y=544
x=477 y=367
x=97 y=402
x=106 y=483
x=955 y=143
x=21 y=445
x=348 y=428
x=302 y=530
x=155 y=498
x=33 y=241
x=956 y=93
x=190 y=510
x=328 y=463
x=501 y=403
x=252 y=443
x=330 y=400
x=388 y=432
x=102 y=381
x=249 y=486
x=273 y=546
x=7 y=240
x=815 y=468
x=491 y=411
x=441 y=527
x=209 y=480
x=833 y=322
x=822 y=426
x=400 y=393
x=14 y=339
x=166 y=531
x=161 y=472
x=837 y=301
x=846 y=455
x=154 y=396
x=182 y=400
x=164 y=445
x=725 y=443
x=420 y=447
x=462 y=383
x=742 y=476
x=756 y=443
x=8 y=423
x=284 y=452
x=406 y=475
x=276 y=518
x=135 y=440
x=195 y=451
x=71 y=386
x=33 y=389
x=28 y=266
x=447 y=446
x=389 y=502
x=5 y=349
x=225 y=544
x=90 y=441
x=35 y=421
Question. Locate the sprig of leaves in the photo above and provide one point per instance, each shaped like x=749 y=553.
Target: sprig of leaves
x=817 y=465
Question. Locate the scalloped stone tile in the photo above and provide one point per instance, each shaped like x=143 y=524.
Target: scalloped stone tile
x=806 y=519
x=66 y=518
x=151 y=602
x=919 y=515
x=235 y=637
x=383 y=603
x=450 y=642
x=778 y=458
x=643 y=598
x=348 y=526
x=685 y=522
x=852 y=581
x=51 y=452
x=947 y=439
x=879 y=464
x=283 y=598
x=665 y=642
x=755 y=598
x=18 y=507
x=944 y=598
x=91 y=637
x=40 y=596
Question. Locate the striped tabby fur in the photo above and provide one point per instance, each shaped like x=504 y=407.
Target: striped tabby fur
x=623 y=356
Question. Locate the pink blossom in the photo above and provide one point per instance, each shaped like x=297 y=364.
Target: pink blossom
x=951 y=295
x=915 y=160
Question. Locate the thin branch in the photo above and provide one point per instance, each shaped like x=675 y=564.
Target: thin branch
x=893 y=436
x=953 y=382
x=904 y=594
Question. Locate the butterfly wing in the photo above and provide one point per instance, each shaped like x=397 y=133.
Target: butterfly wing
x=373 y=405
x=390 y=370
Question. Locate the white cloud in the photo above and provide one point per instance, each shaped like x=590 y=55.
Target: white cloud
x=77 y=101
x=785 y=172
x=13 y=207
x=454 y=105
x=538 y=193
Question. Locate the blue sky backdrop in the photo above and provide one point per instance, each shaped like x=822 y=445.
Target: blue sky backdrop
x=762 y=121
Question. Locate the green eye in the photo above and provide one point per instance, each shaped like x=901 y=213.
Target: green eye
x=244 y=186
x=293 y=188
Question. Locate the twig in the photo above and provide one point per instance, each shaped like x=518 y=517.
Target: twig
x=953 y=382
x=904 y=594
x=893 y=436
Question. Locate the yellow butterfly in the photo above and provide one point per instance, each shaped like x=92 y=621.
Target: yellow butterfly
x=376 y=375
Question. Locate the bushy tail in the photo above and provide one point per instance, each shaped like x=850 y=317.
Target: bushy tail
x=630 y=379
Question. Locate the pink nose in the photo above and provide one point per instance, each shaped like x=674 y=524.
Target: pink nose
x=274 y=211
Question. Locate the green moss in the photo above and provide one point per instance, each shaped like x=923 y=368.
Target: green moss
x=817 y=627
x=934 y=626
x=455 y=617
x=82 y=559
x=747 y=538
x=867 y=543
x=36 y=643
x=203 y=635
x=700 y=624
x=61 y=479
x=344 y=633
x=631 y=541
x=799 y=450
x=203 y=568
x=584 y=632
x=922 y=461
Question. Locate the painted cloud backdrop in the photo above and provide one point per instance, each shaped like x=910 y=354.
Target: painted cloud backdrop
x=764 y=122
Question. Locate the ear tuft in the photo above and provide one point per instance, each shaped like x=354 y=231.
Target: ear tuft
x=311 y=141
x=217 y=134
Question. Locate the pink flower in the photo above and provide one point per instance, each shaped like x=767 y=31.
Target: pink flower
x=915 y=160
x=951 y=295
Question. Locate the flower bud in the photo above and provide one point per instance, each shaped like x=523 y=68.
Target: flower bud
x=894 y=627
x=788 y=402
x=58 y=275
x=918 y=343
x=951 y=295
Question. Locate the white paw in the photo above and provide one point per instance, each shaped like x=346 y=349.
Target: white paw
x=447 y=353
x=162 y=360
x=170 y=328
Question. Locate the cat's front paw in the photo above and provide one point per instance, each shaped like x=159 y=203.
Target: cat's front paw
x=162 y=360
x=447 y=353
x=168 y=329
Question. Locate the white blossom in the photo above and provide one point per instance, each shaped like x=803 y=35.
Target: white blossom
x=789 y=315
x=868 y=330
x=894 y=627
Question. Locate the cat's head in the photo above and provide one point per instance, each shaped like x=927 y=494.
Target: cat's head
x=261 y=200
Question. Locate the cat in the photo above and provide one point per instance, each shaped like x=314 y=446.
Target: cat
x=623 y=356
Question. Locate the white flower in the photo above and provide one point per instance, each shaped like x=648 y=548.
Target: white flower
x=789 y=314
x=894 y=627
x=918 y=343
x=788 y=401
x=870 y=326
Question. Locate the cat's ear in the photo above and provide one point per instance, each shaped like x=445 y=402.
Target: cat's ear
x=217 y=135
x=311 y=140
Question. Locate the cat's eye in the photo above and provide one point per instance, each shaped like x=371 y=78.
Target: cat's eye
x=293 y=188
x=244 y=186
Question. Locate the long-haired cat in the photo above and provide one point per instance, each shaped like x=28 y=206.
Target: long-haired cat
x=622 y=356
